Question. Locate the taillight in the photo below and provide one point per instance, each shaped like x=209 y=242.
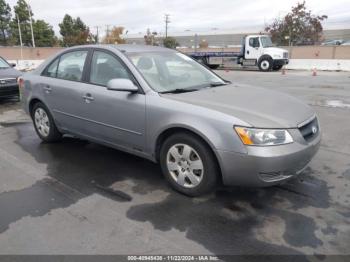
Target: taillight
x=20 y=82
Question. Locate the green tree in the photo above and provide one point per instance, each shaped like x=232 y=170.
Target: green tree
x=170 y=42
x=298 y=27
x=74 y=31
x=5 y=19
x=21 y=11
x=44 y=34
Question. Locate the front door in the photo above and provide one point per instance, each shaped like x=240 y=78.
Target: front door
x=115 y=117
x=252 y=50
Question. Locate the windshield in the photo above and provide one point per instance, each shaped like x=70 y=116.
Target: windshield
x=3 y=63
x=173 y=71
x=266 y=41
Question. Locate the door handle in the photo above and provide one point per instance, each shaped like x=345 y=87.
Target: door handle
x=47 y=89
x=88 y=98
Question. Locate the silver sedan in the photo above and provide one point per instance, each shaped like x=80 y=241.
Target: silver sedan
x=162 y=105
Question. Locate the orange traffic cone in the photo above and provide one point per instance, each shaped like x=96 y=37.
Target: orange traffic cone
x=283 y=71
x=314 y=72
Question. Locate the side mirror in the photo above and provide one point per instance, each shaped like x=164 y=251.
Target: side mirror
x=122 y=84
x=13 y=65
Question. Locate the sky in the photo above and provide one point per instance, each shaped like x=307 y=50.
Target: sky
x=185 y=15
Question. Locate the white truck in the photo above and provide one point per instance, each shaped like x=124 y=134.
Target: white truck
x=257 y=50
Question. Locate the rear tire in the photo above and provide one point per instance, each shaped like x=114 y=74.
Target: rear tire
x=265 y=64
x=44 y=124
x=189 y=164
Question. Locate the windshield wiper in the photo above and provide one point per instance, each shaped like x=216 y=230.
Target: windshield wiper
x=178 y=91
x=215 y=84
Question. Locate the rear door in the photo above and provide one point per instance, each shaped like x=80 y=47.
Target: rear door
x=115 y=117
x=62 y=88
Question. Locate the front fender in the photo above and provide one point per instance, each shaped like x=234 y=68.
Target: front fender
x=214 y=127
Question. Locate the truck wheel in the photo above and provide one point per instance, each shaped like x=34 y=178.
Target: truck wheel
x=277 y=67
x=214 y=66
x=189 y=164
x=265 y=64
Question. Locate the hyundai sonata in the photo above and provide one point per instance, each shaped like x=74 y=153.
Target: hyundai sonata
x=162 y=105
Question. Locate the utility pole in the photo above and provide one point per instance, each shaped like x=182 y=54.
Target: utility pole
x=31 y=23
x=195 y=42
x=167 y=22
x=20 y=36
x=107 y=33
x=97 y=35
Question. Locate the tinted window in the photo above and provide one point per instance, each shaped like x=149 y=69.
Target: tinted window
x=52 y=69
x=254 y=42
x=71 y=65
x=105 y=67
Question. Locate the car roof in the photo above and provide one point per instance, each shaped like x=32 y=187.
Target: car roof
x=141 y=48
x=129 y=48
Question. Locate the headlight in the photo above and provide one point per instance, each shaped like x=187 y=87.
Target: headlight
x=277 y=56
x=263 y=137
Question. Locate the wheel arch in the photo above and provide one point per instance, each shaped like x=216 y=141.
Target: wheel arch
x=178 y=129
x=265 y=56
x=32 y=102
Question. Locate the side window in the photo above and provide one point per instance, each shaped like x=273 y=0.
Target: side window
x=71 y=65
x=254 y=42
x=51 y=71
x=105 y=67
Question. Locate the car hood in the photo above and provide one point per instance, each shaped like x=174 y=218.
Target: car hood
x=9 y=73
x=257 y=106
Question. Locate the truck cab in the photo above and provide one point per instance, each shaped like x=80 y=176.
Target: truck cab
x=258 y=50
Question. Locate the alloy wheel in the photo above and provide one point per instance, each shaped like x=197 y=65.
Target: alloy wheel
x=185 y=165
x=42 y=122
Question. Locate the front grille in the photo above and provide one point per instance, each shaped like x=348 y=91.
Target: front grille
x=8 y=81
x=310 y=130
x=285 y=55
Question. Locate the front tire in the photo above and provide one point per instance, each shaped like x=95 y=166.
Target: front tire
x=265 y=64
x=44 y=124
x=189 y=165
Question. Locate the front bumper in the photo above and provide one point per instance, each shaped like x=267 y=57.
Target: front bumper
x=9 y=91
x=267 y=166
x=280 y=62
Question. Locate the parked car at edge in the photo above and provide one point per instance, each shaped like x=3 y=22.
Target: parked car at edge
x=162 y=105
x=333 y=42
x=8 y=79
x=346 y=42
